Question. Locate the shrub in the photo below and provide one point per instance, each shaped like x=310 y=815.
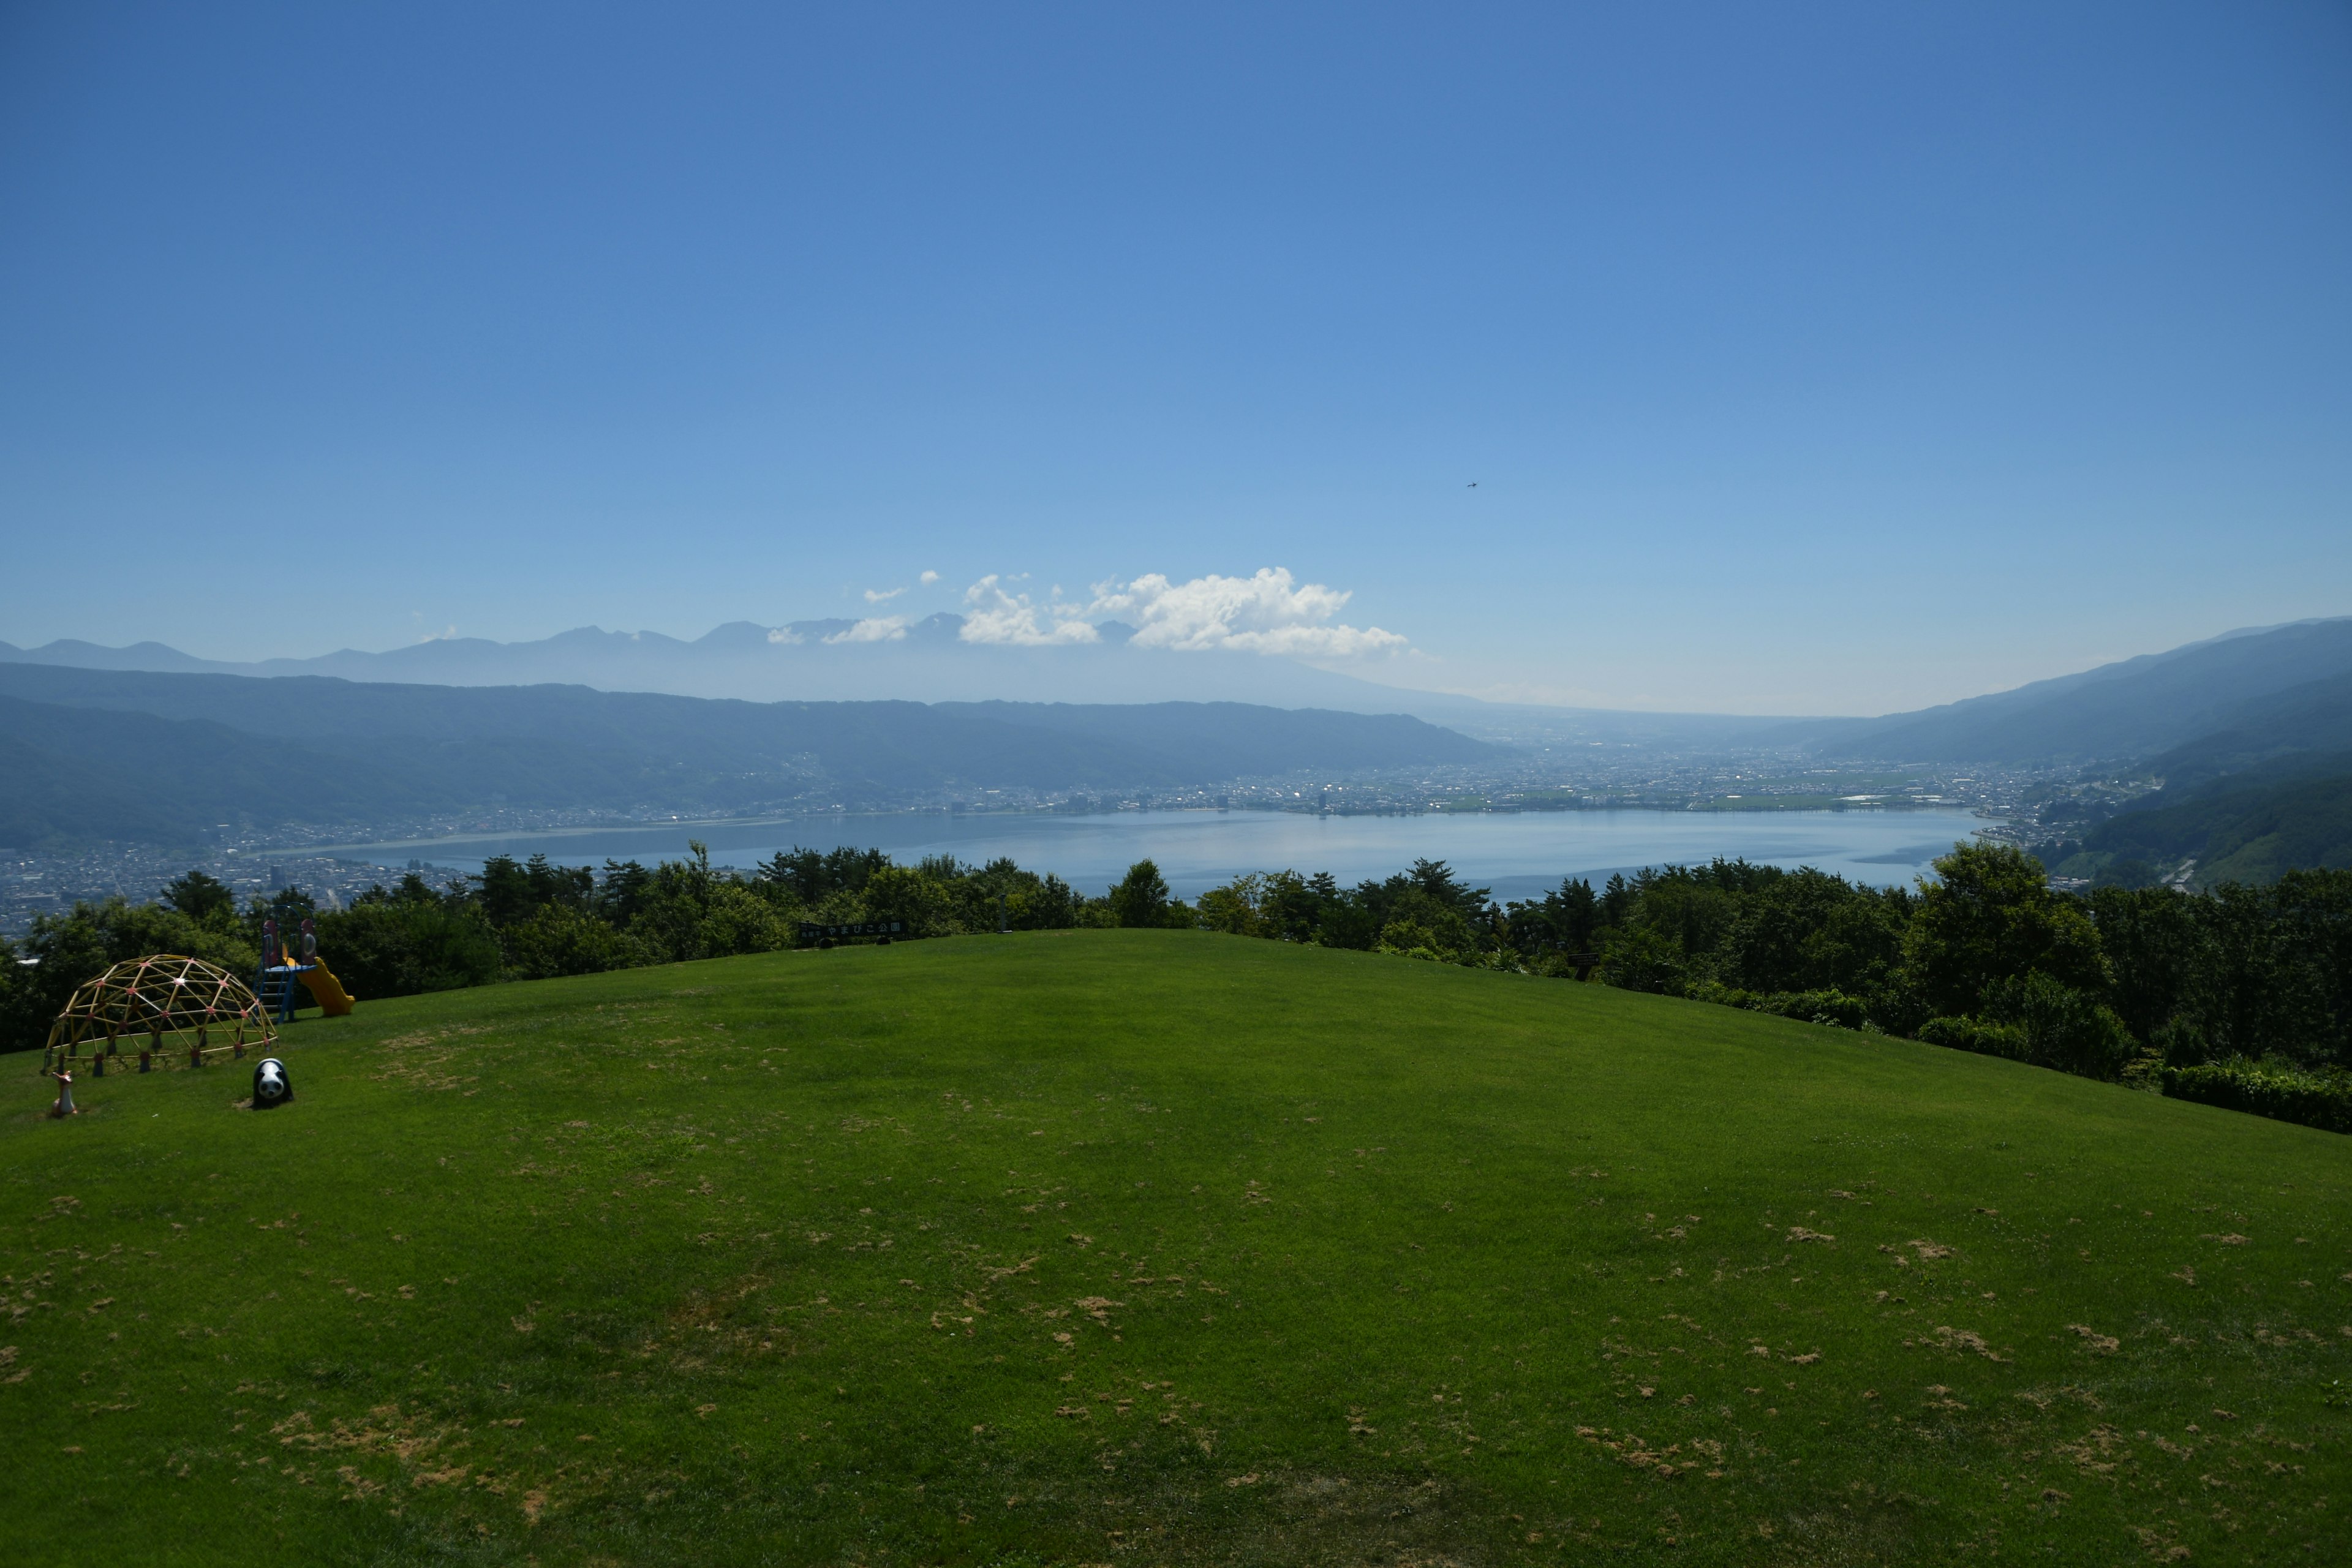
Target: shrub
x=1828 y=1006
x=1975 y=1035
x=2282 y=1093
x=1409 y=939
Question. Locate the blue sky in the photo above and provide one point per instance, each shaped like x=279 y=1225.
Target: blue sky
x=1807 y=358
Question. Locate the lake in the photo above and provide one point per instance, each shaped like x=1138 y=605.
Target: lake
x=1519 y=855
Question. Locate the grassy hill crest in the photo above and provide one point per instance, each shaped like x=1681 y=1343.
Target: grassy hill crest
x=1160 y=1247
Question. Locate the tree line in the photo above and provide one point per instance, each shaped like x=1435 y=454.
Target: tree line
x=2242 y=996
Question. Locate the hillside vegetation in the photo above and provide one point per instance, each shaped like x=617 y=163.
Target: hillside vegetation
x=2249 y=828
x=1158 y=1247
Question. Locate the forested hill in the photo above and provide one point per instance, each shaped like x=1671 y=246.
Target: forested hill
x=2249 y=828
x=101 y=754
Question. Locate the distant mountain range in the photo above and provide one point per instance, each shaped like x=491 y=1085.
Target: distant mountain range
x=2207 y=709
x=810 y=661
x=168 y=758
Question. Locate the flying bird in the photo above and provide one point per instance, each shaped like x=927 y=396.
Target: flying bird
x=1474 y=484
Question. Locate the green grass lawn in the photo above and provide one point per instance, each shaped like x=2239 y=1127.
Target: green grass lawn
x=1115 y=1246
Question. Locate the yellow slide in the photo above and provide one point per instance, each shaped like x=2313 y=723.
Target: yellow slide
x=326 y=990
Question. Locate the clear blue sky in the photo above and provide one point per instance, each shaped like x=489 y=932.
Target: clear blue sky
x=1808 y=358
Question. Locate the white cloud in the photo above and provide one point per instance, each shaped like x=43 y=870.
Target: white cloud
x=784 y=635
x=873 y=628
x=875 y=595
x=995 y=616
x=928 y=578
x=1269 y=612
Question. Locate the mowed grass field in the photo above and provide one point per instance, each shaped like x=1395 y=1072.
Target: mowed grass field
x=1144 y=1248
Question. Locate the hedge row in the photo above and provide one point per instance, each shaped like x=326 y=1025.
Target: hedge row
x=2285 y=1094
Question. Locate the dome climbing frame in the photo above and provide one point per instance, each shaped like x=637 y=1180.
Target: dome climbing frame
x=167 y=1009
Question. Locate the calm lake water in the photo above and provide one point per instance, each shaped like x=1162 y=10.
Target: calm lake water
x=1520 y=856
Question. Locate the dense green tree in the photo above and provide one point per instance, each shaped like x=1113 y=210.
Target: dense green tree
x=1291 y=908
x=621 y=893
x=203 y=898
x=687 y=910
x=563 y=938
x=2314 y=910
x=1689 y=911
x=511 y=892
x=1042 y=903
x=1617 y=897
x=2061 y=1026
x=1640 y=957
x=923 y=903
x=1988 y=917
x=1565 y=921
x=1809 y=930
x=402 y=944
x=2156 y=944
x=1141 y=897
x=1234 y=908
x=812 y=875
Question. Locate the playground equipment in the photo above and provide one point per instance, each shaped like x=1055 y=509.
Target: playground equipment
x=167 y=1006
x=281 y=971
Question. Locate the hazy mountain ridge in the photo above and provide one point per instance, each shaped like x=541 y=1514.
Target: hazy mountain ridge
x=2133 y=709
x=745 y=661
x=2274 y=688
x=814 y=660
x=161 y=757
x=2313 y=718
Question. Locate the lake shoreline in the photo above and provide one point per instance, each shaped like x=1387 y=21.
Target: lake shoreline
x=1520 y=854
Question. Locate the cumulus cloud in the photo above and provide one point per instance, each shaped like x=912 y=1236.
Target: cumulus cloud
x=1269 y=612
x=875 y=595
x=928 y=578
x=873 y=628
x=783 y=636
x=995 y=614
